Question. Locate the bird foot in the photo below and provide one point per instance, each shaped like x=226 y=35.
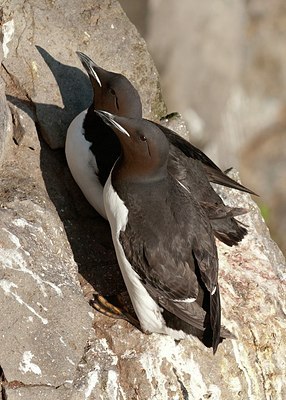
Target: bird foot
x=102 y=305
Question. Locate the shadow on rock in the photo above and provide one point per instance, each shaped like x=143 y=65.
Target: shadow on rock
x=75 y=91
x=87 y=232
x=75 y=95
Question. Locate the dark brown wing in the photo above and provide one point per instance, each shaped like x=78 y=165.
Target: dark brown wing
x=176 y=258
x=213 y=172
x=191 y=175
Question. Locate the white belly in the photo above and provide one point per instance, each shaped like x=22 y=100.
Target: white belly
x=82 y=164
x=147 y=310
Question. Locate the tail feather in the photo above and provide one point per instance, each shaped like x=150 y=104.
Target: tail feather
x=215 y=318
x=219 y=211
x=201 y=318
x=220 y=178
x=228 y=231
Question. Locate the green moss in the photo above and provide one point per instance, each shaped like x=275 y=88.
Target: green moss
x=265 y=212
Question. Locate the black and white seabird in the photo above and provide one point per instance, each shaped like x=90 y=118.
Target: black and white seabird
x=163 y=238
x=92 y=149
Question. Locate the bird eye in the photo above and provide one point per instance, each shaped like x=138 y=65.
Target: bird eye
x=116 y=103
x=143 y=138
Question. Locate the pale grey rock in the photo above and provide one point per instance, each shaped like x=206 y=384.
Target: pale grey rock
x=48 y=230
x=176 y=123
x=50 y=316
x=252 y=278
x=5 y=116
x=42 y=393
x=45 y=320
x=45 y=66
x=5 y=121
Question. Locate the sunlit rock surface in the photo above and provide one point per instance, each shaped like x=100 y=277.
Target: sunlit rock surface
x=53 y=345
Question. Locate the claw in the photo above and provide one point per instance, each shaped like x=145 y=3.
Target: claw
x=103 y=306
x=100 y=304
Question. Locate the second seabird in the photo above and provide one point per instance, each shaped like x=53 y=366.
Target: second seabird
x=163 y=239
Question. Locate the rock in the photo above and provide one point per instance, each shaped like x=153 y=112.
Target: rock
x=48 y=60
x=50 y=316
x=5 y=121
x=43 y=393
x=251 y=277
x=175 y=122
x=48 y=231
x=45 y=320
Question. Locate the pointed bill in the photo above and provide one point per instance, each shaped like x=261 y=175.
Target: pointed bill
x=89 y=66
x=108 y=118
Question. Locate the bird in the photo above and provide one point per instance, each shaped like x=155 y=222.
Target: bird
x=92 y=148
x=163 y=238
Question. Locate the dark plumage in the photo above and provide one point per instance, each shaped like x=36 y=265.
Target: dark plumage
x=114 y=93
x=165 y=235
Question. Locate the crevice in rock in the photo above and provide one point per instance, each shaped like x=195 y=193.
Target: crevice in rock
x=18 y=384
x=257 y=360
x=16 y=94
x=17 y=97
x=182 y=386
x=14 y=88
x=2 y=384
x=18 y=130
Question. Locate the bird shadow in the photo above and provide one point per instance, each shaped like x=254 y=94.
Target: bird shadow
x=75 y=92
x=87 y=232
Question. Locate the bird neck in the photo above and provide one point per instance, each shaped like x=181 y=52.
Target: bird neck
x=130 y=170
x=104 y=144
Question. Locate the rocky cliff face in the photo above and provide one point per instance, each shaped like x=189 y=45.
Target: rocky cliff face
x=54 y=346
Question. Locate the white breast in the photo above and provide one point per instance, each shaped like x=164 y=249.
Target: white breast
x=147 y=310
x=82 y=164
